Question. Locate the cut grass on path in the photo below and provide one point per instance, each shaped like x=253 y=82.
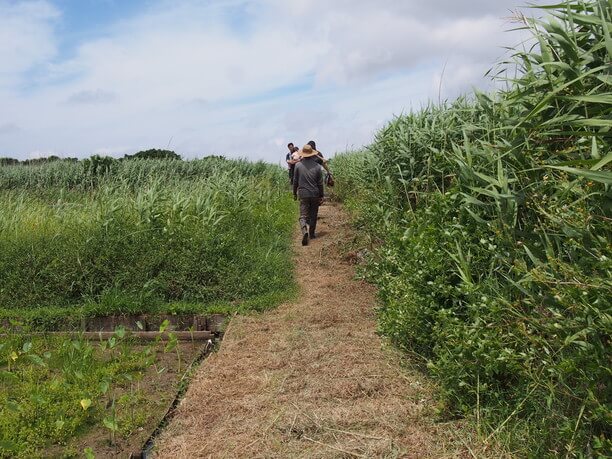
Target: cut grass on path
x=312 y=378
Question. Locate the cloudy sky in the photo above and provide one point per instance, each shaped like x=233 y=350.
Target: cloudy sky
x=233 y=77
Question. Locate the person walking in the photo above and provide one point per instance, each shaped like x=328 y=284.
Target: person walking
x=292 y=160
x=319 y=158
x=308 y=187
x=329 y=179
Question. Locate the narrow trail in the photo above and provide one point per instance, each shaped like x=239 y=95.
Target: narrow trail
x=311 y=379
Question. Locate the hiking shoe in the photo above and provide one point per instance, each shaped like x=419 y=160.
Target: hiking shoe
x=305 y=239
x=313 y=236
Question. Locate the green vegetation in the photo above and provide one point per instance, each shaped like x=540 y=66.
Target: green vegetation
x=53 y=389
x=490 y=225
x=129 y=236
x=57 y=175
x=105 y=236
x=154 y=153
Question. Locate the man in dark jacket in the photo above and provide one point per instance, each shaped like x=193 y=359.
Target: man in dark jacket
x=308 y=186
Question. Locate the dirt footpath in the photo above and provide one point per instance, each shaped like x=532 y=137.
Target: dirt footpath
x=312 y=379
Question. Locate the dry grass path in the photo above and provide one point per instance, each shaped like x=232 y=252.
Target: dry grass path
x=311 y=379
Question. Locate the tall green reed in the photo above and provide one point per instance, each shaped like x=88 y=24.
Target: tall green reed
x=158 y=231
x=495 y=215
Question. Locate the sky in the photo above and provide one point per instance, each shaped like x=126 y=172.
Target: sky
x=240 y=78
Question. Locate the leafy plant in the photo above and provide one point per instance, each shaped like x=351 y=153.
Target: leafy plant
x=489 y=219
x=56 y=387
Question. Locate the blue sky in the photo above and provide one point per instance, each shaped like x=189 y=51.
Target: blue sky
x=234 y=77
x=86 y=19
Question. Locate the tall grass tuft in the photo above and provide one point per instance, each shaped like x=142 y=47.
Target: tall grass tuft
x=493 y=217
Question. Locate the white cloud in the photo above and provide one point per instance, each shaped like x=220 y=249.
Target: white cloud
x=8 y=128
x=213 y=76
x=93 y=97
x=26 y=37
x=36 y=154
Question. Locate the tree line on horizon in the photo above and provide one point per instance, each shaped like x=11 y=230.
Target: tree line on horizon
x=153 y=153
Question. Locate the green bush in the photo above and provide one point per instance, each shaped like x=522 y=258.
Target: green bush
x=490 y=219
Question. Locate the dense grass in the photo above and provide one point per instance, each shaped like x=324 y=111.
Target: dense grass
x=104 y=236
x=490 y=221
x=89 y=173
x=136 y=234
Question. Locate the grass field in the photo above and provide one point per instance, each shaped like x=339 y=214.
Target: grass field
x=138 y=236
x=103 y=236
x=489 y=224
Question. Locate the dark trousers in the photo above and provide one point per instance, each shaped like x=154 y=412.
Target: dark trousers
x=309 y=210
x=291 y=169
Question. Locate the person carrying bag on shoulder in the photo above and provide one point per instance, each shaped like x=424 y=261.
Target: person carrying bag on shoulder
x=329 y=178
